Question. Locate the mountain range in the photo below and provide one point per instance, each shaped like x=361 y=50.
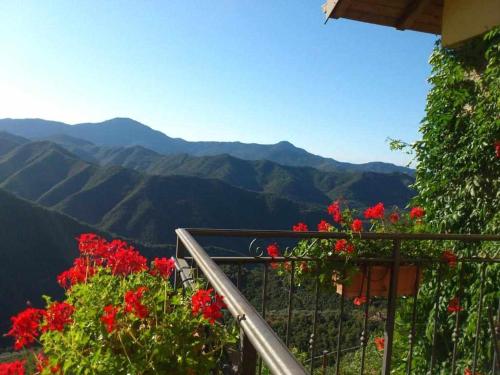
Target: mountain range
x=123 y=179
x=128 y=132
x=137 y=205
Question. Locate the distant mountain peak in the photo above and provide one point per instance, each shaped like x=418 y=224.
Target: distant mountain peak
x=124 y=131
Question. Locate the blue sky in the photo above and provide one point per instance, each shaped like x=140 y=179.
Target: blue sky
x=254 y=71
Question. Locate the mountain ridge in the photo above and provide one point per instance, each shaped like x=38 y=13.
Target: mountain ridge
x=128 y=132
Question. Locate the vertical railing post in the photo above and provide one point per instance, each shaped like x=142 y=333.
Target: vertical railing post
x=248 y=356
x=391 y=308
x=180 y=252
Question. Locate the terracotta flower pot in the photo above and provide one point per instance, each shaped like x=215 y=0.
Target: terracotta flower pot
x=380 y=279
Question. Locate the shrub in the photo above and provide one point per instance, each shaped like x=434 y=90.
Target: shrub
x=121 y=316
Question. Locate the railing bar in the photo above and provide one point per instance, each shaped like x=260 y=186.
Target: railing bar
x=496 y=350
x=238 y=277
x=273 y=351
x=436 y=320
x=479 y=315
x=413 y=322
x=334 y=259
x=265 y=275
x=264 y=290
x=364 y=333
x=496 y=336
x=456 y=331
x=391 y=308
x=339 y=333
x=312 y=341
x=208 y=232
x=324 y=363
x=290 y=304
x=334 y=352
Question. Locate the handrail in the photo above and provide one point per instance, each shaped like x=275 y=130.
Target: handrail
x=269 y=346
x=362 y=235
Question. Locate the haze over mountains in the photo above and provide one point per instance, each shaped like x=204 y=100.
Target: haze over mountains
x=128 y=132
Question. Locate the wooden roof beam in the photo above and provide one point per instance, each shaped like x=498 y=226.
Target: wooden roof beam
x=411 y=13
x=336 y=8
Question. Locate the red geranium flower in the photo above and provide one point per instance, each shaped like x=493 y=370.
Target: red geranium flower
x=273 y=250
x=109 y=317
x=300 y=227
x=57 y=316
x=417 y=212
x=358 y=301
x=133 y=303
x=379 y=343
x=12 y=368
x=394 y=217
x=357 y=225
x=304 y=267
x=127 y=261
x=334 y=210
x=375 y=212
x=90 y=244
x=450 y=258
x=324 y=226
x=349 y=248
x=340 y=245
x=210 y=306
x=42 y=362
x=79 y=273
x=163 y=267
x=497 y=149
x=25 y=327
x=454 y=305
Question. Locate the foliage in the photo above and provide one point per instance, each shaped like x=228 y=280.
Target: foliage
x=458 y=184
x=122 y=317
x=336 y=259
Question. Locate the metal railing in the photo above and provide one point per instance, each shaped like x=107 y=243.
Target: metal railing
x=260 y=345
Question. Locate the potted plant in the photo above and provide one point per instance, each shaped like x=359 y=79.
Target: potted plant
x=121 y=315
x=338 y=262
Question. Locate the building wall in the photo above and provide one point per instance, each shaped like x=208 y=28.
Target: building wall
x=464 y=19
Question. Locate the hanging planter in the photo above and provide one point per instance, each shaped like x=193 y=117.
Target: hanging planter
x=356 y=284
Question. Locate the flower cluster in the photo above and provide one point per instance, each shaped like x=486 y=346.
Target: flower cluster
x=12 y=368
x=300 y=227
x=117 y=256
x=81 y=270
x=375 y=212
x=163 y=267
x=118 y=308
x=25 y=327
x=57 y=316
x=133 y=303
x=208 y=303
x=109 y=317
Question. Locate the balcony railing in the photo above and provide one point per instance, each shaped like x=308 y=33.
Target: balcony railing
x=261 y=349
